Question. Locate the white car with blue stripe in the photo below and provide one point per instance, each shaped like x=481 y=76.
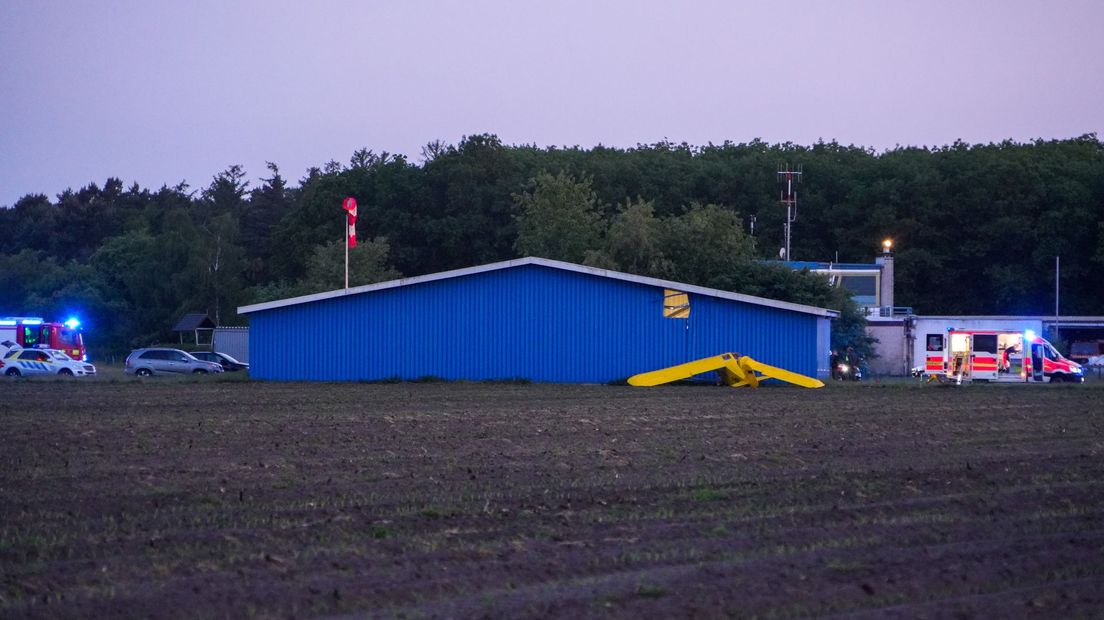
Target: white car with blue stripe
x=31 y=362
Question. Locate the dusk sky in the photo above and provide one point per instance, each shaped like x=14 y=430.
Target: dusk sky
x=163 y=92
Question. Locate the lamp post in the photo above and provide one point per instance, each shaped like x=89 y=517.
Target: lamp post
x=1057 y=272
x=885 y=287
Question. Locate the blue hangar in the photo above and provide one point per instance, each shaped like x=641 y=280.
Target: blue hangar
x=531 y=318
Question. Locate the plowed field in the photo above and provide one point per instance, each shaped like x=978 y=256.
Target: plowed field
x=209 y=499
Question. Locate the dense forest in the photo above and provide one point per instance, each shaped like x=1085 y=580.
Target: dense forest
x=976 y=227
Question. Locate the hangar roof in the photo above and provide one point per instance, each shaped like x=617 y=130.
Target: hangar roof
x=543 y=262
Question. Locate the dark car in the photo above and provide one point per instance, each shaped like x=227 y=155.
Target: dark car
x=229 y=364
x=146 y=362
x=1084 y=350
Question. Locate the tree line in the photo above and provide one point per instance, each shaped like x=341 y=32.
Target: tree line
x=976 y=227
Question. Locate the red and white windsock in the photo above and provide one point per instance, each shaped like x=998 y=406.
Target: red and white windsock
x=349 y=204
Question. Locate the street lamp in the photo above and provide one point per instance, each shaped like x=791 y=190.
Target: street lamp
x=887 y=245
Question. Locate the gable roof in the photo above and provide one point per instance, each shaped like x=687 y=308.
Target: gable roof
x=543 y=262
x=194 y=321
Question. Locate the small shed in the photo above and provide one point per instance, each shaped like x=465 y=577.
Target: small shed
x=199 y=325
x=530 y=318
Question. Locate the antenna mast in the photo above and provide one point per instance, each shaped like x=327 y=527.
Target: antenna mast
x=789 y=176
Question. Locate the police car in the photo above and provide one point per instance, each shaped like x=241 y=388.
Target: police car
x=31 y=362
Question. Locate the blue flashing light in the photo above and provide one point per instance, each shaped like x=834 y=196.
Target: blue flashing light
x=1029 y=335
x=32 y=321
x=72 y=323
x=7 y=322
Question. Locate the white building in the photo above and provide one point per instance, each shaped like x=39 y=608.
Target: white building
x=901 y=333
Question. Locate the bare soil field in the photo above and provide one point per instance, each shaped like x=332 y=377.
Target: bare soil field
x=197 y=499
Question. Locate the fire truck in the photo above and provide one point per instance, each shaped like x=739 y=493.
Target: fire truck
x=31 y=332
x=996 y=356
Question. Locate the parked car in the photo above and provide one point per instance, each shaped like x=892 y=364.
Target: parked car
x=229 y=364
x=1083 y=351
x=155 y=361
x=19 y=362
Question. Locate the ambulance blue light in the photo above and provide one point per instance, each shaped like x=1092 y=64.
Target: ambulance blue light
x=1029 y=335
x=32 y=321
x=7 y=322
x=72 y=323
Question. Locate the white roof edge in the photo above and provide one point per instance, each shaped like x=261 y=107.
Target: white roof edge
x=379 y=286
x=857 y=270
x=545 y=262
x=1010 y=317
x=687 y=288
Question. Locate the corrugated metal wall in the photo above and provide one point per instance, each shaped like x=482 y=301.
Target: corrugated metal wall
x=532 y=322
x=233 y=341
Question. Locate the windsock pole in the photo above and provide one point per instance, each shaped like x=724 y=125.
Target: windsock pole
x=350 y=207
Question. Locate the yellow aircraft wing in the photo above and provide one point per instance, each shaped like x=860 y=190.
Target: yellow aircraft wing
x=781 y=374
x=682 y=371
x=736 y=372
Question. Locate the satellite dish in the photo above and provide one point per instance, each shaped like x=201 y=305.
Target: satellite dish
x=782 y=253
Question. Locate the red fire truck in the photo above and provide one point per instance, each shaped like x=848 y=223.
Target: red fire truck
x=32 y=332
x=997 y=356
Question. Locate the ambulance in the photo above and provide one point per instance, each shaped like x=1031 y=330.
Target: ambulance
x=997 y=356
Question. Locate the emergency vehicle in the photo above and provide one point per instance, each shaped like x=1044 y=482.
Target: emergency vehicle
x=30 y=332
x=996 y=356
x=20 y=362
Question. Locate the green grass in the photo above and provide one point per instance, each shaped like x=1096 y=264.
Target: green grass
x=709 y=495
x=650 y=591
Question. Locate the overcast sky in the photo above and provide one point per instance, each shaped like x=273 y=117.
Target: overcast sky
x=163 y=92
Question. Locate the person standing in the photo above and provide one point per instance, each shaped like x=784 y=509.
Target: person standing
x=852 y=362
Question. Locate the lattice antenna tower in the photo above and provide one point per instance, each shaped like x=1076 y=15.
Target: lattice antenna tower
x=789 y=177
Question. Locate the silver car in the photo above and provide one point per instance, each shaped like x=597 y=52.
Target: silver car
x=146 y=362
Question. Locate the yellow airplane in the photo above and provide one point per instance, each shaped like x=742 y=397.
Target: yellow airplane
x=735 y=370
